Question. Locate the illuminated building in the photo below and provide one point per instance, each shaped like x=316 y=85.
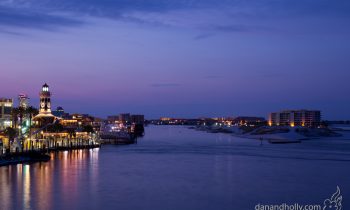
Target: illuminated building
x=5 y=113
x=243 y=120
x=307 y=118
x=54 y=132
x=59 y=112
x=113 y=119
x=79 y=121
x=45 y=100
x=45 y=116
x=69 y=122
x=23 y=101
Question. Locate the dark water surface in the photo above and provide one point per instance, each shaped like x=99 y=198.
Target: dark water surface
x=179 y=168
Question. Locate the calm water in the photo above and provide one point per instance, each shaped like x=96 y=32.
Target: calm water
x=179 y=168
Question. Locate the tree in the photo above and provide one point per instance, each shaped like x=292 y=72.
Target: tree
x=88 y=129
x=11 y=133
x=14 y=114
x=21 y=113
x=72 y=134
x=31 y=111
x=56 y=128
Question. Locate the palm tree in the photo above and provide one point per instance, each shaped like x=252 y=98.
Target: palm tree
x=31 y=111
x=21 y=113
x=14 y=113
x=11 y=134
x=72 y=134
x=90 y=130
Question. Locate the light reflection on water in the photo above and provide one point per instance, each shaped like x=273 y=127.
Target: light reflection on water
x=35 y=186
x=176 y=168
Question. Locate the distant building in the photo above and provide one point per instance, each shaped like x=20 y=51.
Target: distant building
x=124 y=118
x=5 y=113
x=69 y=122
x=59 y=112
x=77 y=120
x=243 y=120
x=113 y=119
x=23 y=100
x=137 y=119
x=307 y=118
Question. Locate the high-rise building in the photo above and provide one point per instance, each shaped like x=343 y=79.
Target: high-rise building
x=307 y=118
x=23 y=101
x=5 y=113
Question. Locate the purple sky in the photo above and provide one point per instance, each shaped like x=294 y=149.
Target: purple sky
x=183 y=58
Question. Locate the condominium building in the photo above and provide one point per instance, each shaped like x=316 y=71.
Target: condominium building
x=5 y=113
x=307 y=118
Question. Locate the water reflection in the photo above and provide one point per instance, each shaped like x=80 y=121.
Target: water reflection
x=175 y=168
x=45 y=185
x=26 y=186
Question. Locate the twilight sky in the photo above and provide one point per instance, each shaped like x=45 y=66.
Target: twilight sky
x=180 y=58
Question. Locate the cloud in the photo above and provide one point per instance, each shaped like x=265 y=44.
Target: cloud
x=231 y=28
x=203 y=36
x=12 y=33
x=159 y=85
x=207 y=15
x=24 y=18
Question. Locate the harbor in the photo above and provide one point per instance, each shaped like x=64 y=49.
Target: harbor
x=174 y=105
x=29 y=134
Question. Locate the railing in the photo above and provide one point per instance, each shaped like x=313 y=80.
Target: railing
x=46 y=145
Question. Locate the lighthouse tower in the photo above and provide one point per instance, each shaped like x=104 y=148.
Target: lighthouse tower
x=44 y=117
x=45 y=101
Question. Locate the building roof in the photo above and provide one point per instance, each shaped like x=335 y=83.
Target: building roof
x=44 y=116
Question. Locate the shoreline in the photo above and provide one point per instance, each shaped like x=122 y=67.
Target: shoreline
x=290 y=136
x=36 y=156
x=20 y=158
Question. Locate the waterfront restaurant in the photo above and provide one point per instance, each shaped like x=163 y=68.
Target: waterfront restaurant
x=49 y=132
x=57 y=140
